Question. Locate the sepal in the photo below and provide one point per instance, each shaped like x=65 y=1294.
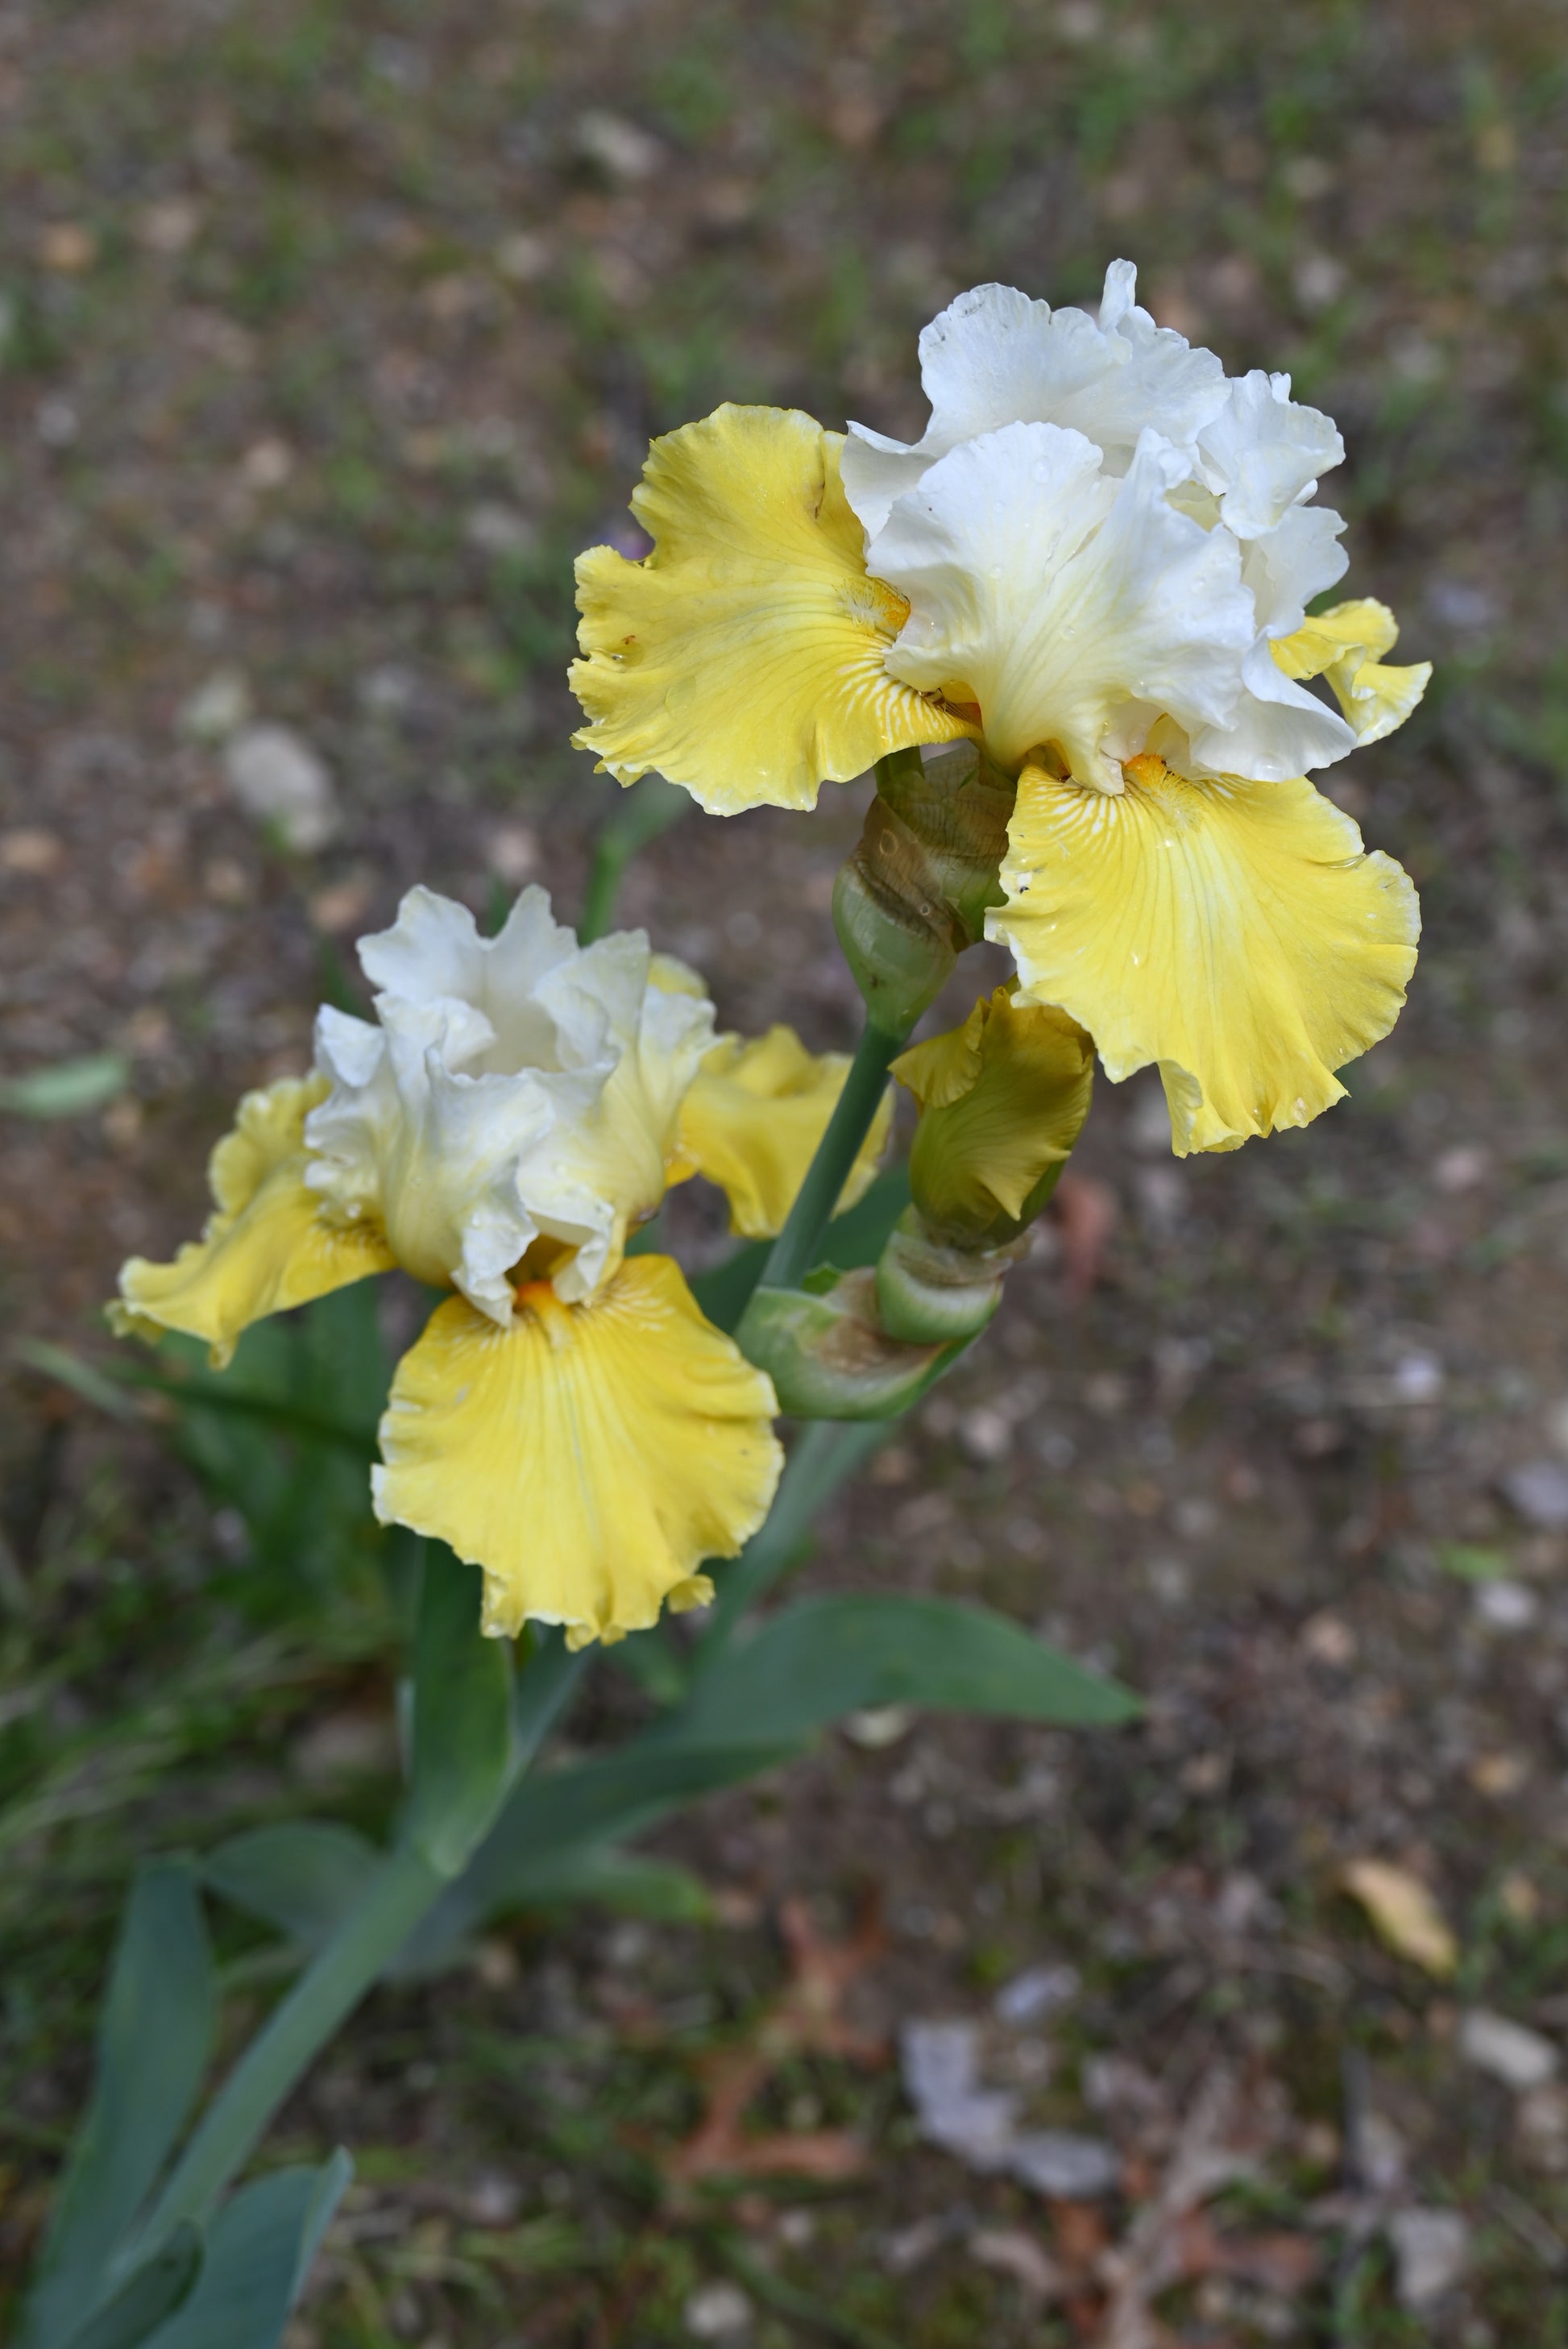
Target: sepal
x=931 y=1294
x=829 y=1356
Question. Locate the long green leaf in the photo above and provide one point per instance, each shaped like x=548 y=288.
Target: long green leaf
x=828 y=1657
x=154 y=2038
x=259 y=2252
x=67 y=1088
x=824 y=1456
x=462 y=1716
x=303 y=1876
x=623 y=1880
x=547 y=1821
x=146 y=2298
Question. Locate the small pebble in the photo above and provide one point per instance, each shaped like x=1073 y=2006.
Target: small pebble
x=1038 y=1991
x=278 y=779
x=717 y=2312
x=1431 y=2251
x=1505 y=1606
x=1537 y=1489
x=1521 y=2058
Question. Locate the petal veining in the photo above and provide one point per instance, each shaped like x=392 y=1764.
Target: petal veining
x=588 y=1457
x=1060 y=596
x=1234 y=933
x=743 y=657
x=268 y=1246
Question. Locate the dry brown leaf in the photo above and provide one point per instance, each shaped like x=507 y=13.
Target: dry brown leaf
x=1404 y=1913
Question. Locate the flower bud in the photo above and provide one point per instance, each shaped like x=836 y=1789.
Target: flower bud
x=914 y=893
x=1003 y=1099
x=829 y=1356
x=931 y=1294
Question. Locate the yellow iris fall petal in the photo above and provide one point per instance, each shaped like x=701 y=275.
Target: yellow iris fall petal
x=1003 y=1099
x=1235 y=933
x=1347 y=646
x=267 y=1247
x=753 y=1118
x=743 y=657
x=589 y=1458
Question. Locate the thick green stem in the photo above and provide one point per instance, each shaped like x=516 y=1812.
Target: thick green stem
x=272 y=2065
x=795 y=1249
x=824 y=1456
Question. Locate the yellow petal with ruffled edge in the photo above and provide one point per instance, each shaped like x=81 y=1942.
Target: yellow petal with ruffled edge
x=1003 y=1099
x=588 y=1459
x=1235 y=933
x=753 y=1118
x=267 y=1248
x=743 y=657
x=1347 y=645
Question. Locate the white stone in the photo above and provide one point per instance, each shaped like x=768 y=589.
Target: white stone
x=217 y=708
x=621 y=148
x=1521 y=2058
x=1537 y=1489
x=1431 y=2251
x=1038 y=1991
x=1065 y=2166
x=717 y=2312
x=278 y=779
x=1506 y=1606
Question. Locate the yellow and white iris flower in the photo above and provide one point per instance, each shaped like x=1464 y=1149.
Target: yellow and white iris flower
x=1097 y=561
x=568 y=1421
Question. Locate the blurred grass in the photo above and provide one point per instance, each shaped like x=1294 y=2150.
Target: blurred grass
x=401 y=256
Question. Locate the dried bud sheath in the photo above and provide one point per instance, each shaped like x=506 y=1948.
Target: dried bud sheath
x=914 y=893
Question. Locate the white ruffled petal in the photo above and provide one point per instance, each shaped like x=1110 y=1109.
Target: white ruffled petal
x=1264 y=452
x=1279 y=731
x=1054 y=596
x=994 y=357
x=1286 y=567
x=514 y=1088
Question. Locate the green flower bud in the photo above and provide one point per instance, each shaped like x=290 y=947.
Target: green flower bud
x=1003 y=1099
x=914 y=893
x=930 y=1294
x=829 y=1356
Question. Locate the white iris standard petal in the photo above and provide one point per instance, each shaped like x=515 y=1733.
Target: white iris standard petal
x=1276 y=732
x=1055 y=597
x=995 y=358
x=1264 y=453
x=1287 y=566
x=512 y=1088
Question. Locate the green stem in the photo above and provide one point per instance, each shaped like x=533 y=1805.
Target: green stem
x=794 y=1251
x=824 y=1456
x=648 y=808
x=321 y=1999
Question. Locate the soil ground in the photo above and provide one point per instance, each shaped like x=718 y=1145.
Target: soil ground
x=331 y=329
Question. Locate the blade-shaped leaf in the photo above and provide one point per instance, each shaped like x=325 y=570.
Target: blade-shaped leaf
x=462 y=1716
x=549 y=1819
x=146 y=2298
x=823 y=1456
x=67 y=1088
x=259 y=2252
x=826 y=1657
x=618 y=1879
x=304 y=1876
x=154 y=2036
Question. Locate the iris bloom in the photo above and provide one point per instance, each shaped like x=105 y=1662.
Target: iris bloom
x=568 y=1421
x=1097 y=561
